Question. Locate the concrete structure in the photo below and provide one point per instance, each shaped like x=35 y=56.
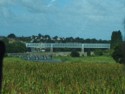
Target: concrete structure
x=82 y=46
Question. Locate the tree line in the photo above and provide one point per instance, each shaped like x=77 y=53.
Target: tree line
x=56 y=39
x=16 y=44
x=48 y=39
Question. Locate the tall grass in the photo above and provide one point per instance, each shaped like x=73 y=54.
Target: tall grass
x=23 y=77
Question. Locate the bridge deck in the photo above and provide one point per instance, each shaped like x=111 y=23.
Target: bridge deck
x=68 y=45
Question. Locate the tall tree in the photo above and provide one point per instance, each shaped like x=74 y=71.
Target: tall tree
x=116 y=38
x=119 y=51
x=11 y=35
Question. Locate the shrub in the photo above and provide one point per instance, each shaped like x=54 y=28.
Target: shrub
x=16 y=47
x=98 y=52
x=74 y=54
x=119 y=53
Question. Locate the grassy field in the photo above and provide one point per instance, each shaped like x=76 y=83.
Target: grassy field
x=91 y=59
x=88 y=75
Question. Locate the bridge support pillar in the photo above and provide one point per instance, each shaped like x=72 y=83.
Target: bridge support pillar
x=33 y=49
x=82 y=49
x=51 y=48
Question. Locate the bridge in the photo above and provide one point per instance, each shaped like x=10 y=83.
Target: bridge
x=82 y=46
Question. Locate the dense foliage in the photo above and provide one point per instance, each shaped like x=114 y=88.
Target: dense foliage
x=54 y=39
x=22 y=77
x=57 y=39
x=11 y=35
x=116 y=39
x=118 y=46
x=74 y=53
x=14 y=46
x=119 y=53
x=98 y=52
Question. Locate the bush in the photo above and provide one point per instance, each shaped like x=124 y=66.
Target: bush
x=74 y=54
x=16 y=47
x=119 y=53
x=98 y=52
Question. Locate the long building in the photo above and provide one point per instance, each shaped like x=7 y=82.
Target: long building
x=51 y=46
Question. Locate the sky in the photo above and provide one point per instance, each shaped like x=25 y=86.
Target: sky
x=63 y=18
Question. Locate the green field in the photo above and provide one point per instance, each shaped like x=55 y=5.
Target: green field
x=84 y=75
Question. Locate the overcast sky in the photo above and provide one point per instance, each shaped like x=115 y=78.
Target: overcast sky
x=64 y=18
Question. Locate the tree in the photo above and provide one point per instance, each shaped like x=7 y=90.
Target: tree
x=119 y=53
x=11 y=35
x=88 y=40
x=74 y=53
x=39 y=35
x=16 y=47
x=116 y=39
x=98 y=52
x=93 y=40
x=5 y=40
